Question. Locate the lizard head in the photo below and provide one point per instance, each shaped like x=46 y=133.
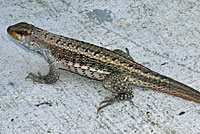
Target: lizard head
x=20 y=31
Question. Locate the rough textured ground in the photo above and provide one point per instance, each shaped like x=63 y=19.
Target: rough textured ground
x=163 y=35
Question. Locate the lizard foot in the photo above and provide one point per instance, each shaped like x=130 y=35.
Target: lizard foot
x=36 y=78
x=107 y=102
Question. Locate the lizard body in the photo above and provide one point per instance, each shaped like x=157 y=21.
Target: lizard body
x=115 y=68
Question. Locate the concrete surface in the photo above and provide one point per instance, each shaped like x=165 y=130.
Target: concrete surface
x=164 y=35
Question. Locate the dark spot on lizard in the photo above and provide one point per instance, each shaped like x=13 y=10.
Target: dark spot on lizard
x=106 y=54
x=74 y=60
x=78 y=46
x=130 y=65
x=114 y=58
x=46 y=35
x=86 y=50
x=59 y=57
x=97 y=52
x=57 y=41
x=68 y=44
x=83 y=48
x=122 y=62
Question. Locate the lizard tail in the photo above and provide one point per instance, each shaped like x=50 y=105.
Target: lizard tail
x=180 y=90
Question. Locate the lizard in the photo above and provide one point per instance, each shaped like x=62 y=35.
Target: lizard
x=115 y=68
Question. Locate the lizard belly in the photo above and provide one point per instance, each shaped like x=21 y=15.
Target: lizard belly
x=82 y=70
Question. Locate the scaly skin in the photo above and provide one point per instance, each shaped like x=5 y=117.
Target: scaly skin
x=115 y=68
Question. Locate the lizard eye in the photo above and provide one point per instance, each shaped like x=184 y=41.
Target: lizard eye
x=22 y=32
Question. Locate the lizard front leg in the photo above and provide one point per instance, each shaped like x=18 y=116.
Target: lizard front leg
x=118 y=84
x=53 y=74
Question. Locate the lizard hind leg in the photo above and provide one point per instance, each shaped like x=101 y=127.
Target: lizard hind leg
x=117 y=83
x=123 y=54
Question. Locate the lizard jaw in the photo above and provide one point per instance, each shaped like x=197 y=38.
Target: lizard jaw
x=14 y=36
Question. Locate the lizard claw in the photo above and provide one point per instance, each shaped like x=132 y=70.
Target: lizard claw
x=36 y=78
x=107 y=103
x=30 y=76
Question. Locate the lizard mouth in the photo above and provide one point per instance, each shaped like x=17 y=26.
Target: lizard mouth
x=13 y=34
